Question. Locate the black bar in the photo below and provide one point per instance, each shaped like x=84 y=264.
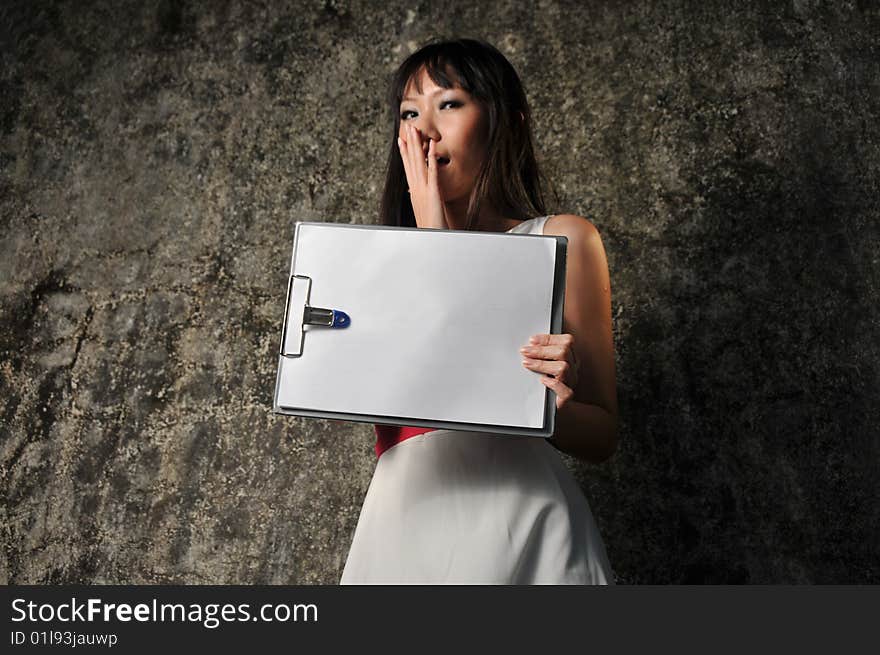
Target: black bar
x=414 y=617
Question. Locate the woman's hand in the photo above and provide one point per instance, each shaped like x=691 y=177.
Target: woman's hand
x=553 y=354
x=424 y=190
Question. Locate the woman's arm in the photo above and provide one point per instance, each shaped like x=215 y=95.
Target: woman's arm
x=586 y=421
x=585 y=431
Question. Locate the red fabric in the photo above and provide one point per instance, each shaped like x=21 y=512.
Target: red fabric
x=391 y=435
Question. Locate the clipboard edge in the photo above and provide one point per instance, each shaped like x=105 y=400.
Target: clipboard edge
x=556 y=321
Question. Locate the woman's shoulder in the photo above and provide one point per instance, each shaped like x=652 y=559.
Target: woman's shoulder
x=575 y=228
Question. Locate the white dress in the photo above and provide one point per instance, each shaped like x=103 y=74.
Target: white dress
x=457 y=507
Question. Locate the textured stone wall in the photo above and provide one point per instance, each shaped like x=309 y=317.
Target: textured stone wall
x=155 y=155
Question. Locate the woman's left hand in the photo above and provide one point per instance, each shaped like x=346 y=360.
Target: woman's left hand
x=553 y=354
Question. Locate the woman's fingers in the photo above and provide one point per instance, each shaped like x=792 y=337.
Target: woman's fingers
x=559 y=369
x=545 y=352
x=416 y=158
x=432 y=165
x=563 y=392
x=420 y=165
x=555 y=377
x=404 y=156
x=554 y=355
x=412 y=156
x=405 y=142
x=552 y=346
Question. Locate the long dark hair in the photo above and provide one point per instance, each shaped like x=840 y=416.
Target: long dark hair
x=509 y=177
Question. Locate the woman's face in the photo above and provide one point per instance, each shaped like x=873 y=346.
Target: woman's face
x=457 y=123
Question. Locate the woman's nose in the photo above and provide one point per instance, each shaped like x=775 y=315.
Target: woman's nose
x=427 y=132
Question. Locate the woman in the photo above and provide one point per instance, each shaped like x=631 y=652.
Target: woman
x=447 y=506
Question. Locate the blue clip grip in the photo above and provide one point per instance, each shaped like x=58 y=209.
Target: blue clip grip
x=340 y=319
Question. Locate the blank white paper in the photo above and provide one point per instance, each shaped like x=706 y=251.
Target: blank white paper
x=437 y=321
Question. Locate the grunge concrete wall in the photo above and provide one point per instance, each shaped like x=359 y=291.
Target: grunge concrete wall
x=153 y=159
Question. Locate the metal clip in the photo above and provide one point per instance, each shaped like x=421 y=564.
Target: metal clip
x=298 y=313
x=327 y=317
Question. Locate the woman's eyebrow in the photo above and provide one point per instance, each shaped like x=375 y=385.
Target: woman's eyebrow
x=431 y=94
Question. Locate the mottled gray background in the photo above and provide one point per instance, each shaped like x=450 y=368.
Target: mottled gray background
x=155 y=155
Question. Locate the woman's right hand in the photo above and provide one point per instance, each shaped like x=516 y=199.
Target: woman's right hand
x=424 y=189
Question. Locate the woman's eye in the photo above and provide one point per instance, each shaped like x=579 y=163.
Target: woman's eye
x=454 y=103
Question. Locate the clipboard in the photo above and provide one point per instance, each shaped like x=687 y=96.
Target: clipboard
x=419 y=327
